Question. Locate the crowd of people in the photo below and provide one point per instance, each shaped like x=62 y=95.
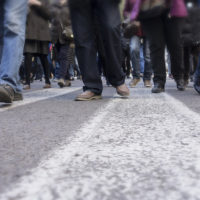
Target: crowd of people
x=61 y=39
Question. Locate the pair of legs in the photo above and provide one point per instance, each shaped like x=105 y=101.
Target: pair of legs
x=135 y=45
x=162 y=31
x=28 y=66
x=106 y=12
x=12 y=35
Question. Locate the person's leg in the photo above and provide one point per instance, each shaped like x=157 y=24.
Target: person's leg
x=13 y=41
x=28 y=66
x=187 y=64
x=46 y=68
x=135 y=56
x=197 y=78
x=154 y=31
x=63 y=61
x=173 y=29
x=83 y=26
x=108 y=17
x=128 y=62
x=147 y=61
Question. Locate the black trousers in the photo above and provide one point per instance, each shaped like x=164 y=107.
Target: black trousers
x=163 y=31
x=28 y=64
x=64 y=64
x=106 y=12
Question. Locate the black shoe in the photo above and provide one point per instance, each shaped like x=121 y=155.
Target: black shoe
x=158 y=88
x=6 y=94
x=180 y=83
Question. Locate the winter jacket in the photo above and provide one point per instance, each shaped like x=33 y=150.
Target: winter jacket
x=60 y=21
x=191 y=29
x=177 y=8
x=37 y=25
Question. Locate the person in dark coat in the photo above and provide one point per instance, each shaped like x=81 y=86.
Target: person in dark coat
x=62 y=37
x=37 y=38
x=191 y=38
x=84 y=15
x=162 y=28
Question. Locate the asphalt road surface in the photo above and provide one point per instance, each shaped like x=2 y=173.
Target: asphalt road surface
x=146 y=147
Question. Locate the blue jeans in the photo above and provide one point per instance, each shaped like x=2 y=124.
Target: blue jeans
x=197 y=73
x=12 y=35
x=135 y=45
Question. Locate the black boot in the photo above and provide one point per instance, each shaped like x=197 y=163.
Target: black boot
x=158 y=88
x=180 y=83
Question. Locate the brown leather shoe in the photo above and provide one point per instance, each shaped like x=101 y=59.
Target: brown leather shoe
x=88 y=96
x=123 y=90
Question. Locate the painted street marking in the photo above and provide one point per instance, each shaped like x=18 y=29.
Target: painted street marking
x=145 y=147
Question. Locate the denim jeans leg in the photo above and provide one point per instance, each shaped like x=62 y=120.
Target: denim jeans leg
x=1 y=29
x=147 y=60
x=135 y=55
x=197 y=73
x=14 y=20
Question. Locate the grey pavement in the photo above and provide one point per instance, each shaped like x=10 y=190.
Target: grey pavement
x=145 y=147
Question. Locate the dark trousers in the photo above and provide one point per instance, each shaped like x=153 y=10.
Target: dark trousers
x=187 y=62
x=28 y=64
x=63 y=51
x=107 y=14
x=162 y=31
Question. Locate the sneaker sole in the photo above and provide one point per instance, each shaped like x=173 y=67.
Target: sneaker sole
x=90 y=99
x=123 y=94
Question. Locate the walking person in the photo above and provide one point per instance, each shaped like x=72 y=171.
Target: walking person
x=191 y=37
x=83 y=16
x=163 y=26
x=137 y=41
x=37 y=39
x=62 y=37
x=12 y=34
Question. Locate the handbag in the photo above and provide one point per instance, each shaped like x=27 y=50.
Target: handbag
x=67 y=32
x=151 y=9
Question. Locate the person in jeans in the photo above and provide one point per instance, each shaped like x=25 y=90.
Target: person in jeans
x=161 y=30
x=135 y=46
x=106 y=12
x=12 y=36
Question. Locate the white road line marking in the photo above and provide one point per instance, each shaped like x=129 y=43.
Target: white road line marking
x=31 y=185
x=142 y=148
x=35 y=96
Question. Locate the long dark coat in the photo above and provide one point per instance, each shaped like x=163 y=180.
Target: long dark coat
x=191 y=29
x=37 y=27
x=59 y=20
